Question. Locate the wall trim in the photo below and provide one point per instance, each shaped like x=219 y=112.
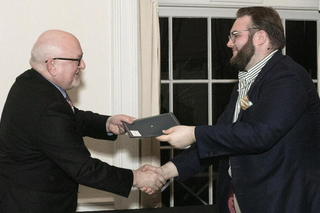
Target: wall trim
x=124 y=70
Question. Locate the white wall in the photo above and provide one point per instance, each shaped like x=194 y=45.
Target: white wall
x=23 y=21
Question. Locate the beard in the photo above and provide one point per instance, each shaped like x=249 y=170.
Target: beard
x=76 y=83
x=76 y=80
x=244 y=55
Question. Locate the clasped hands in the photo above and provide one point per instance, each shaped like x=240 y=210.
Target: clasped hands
x=155 y=177
x=178 y=137
x=148 y=179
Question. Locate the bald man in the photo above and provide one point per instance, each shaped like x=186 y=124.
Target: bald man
x=43 y=158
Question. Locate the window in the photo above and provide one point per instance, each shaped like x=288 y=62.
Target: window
x=302 y=44
x=197 y=79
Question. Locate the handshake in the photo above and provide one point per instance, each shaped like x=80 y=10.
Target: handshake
x=150 y=179
x=147 y=178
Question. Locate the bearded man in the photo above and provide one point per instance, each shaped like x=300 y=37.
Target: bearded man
x=268 y=137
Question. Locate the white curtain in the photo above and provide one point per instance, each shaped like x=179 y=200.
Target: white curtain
x=149 y=86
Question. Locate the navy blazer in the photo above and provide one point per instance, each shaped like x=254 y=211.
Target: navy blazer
x=43 y=157
x=273 y=147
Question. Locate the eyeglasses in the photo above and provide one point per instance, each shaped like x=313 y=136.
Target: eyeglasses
x=235 y=34
x=69 y=59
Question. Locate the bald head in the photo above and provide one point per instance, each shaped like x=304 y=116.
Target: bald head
x=57 y=55
x=50 y=44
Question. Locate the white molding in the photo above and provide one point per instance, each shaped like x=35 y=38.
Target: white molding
x=125 y=86
x=124 y=56
x=284 y=4
x=230 y=13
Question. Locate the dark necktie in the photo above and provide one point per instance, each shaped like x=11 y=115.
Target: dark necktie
x=70 y=102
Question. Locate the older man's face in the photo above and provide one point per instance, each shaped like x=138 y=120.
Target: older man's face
x=68 y=75
x=68 y=71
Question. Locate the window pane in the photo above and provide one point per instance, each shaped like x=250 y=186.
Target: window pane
x=182 y=195
x=220 y=99
x=164 y=98
x=302 y=44
x=190 y=103
x=190 y=51
x=165 y=194
x=164 y=37
x=221 y=54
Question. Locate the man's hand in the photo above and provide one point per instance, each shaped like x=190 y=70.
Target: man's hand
x=168 y=170
x=115 y=123
x=148 y=179
x=179 y=136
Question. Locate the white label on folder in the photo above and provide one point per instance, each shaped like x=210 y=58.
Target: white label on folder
x=135 y=133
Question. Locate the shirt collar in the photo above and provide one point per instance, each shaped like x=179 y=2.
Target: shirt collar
x=253 y=72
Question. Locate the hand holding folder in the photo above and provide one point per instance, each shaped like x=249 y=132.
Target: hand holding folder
x=151 y=126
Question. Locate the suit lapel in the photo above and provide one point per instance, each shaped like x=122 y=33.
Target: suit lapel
x=269 y=65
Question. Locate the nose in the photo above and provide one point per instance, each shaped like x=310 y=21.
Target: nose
x=82 y=64
x=230 y=44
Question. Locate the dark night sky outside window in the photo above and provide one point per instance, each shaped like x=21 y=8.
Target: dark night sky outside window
x=301 y=45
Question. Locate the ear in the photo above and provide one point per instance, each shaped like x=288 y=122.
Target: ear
x=261 y=37
x=51 y=68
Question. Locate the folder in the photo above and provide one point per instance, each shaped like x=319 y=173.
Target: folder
x=151 y=126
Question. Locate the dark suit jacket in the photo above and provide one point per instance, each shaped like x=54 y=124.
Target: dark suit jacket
x=273 y=147
x=42 y=154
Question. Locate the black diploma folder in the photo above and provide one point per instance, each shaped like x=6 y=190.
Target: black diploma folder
x=151 y=126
